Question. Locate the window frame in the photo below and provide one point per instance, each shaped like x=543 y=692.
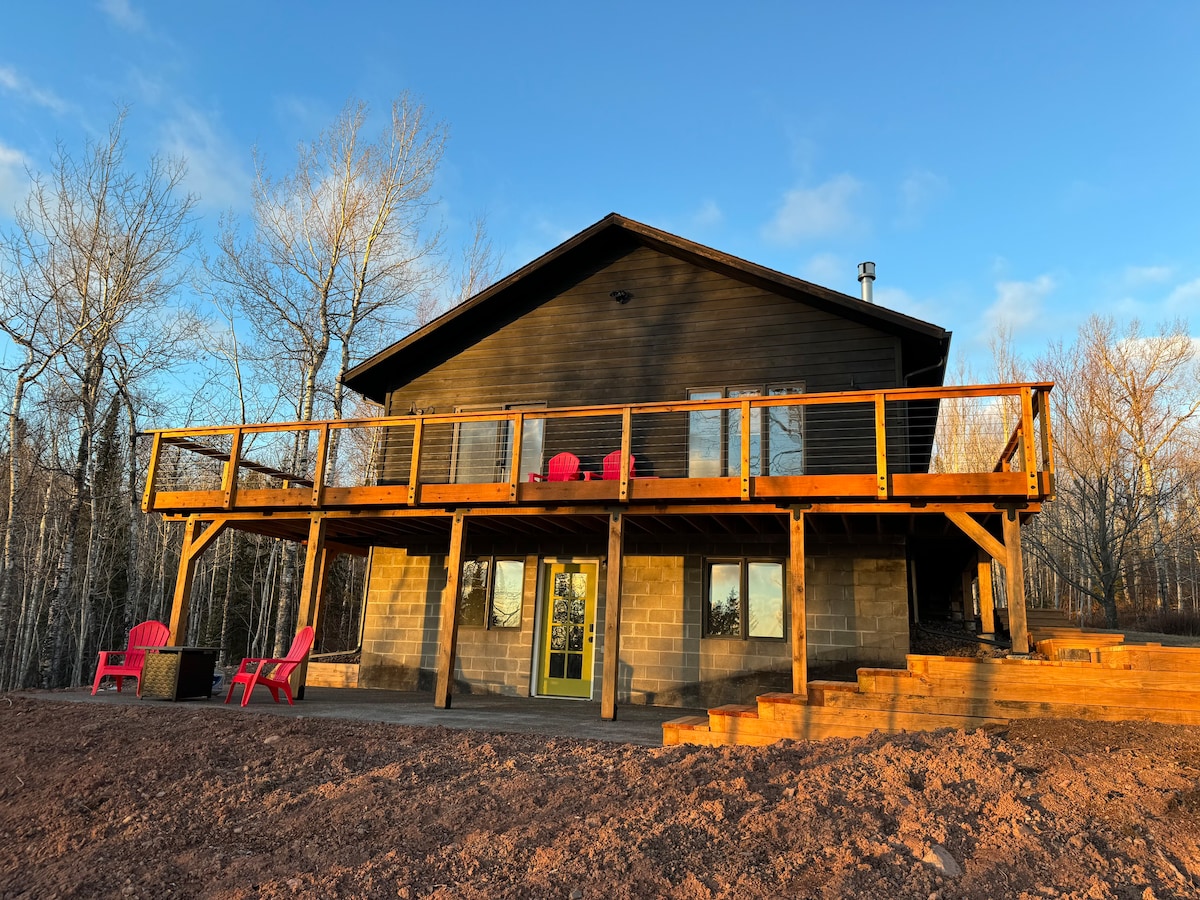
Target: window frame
x=489 y=598
x=502 y=443
x=762 y=433
x=744 y=563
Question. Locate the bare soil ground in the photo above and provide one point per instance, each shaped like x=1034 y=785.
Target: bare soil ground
x=156 y=801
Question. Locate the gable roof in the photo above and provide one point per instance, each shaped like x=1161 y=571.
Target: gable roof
x=925 y=346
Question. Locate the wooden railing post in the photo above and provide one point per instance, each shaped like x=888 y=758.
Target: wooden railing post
x=414 y=464
x=514 y=472
x=318 y=491
x=1029 y=445
x=881 y=463
x=1043 y=411
x=152 y=473
x=626 y=447
x=745 y=449
x=229 y=477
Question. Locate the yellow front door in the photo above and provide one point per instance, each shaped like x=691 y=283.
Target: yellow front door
x=568 y=640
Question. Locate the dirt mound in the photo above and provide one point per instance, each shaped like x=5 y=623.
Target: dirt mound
x=160 y=801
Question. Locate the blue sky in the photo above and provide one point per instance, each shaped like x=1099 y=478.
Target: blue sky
x=1026 y=164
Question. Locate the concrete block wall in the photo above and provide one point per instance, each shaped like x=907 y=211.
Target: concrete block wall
x=857 y=603
x=857 y=612
x=400 y=633
x=500 y=660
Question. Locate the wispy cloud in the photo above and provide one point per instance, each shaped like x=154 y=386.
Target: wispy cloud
x=708 y=215
x=13 y=82
x=1140 y=276
x=123 y=14
x=918 y=192
x=1018 y=304
x=826 y=269
x=14 y=178
x=218 y=172
x=902 y=301
x=815 y=212
x=1184 y=299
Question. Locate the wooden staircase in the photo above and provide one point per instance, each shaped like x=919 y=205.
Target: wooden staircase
x=1088 y=676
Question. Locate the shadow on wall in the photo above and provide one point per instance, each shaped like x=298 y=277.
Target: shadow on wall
x=742 y=688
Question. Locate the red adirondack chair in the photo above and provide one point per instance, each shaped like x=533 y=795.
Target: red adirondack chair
x=273 y=674
x=127 y=663
x=612 y=466
x=563 y=467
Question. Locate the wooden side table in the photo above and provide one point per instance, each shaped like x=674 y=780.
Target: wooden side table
x=178 y=673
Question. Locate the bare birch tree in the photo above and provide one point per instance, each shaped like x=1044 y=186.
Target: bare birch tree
x=1152 y=392
x=102 y=245
x=338 y=245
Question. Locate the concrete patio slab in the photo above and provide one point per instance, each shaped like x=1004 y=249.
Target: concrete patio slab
x=478 y=712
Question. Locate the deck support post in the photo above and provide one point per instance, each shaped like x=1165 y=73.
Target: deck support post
x=968 y=596
x=612 y=618
x=195 y=542
x=1014 y=580
x=796 y=597
x=318 y=558
x=987 y=601
x=448 y=624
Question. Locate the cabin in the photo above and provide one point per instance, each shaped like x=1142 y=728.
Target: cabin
x=639 y=470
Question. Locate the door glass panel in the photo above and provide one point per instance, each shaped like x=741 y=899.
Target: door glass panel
x=704 y=438
x=735 y=435
x=724 y=599
x=785 y=437
x=765 y=601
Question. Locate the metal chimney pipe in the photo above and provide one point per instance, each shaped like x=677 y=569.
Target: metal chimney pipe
x=866 y=277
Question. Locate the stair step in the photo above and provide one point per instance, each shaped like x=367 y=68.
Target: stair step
x=735 y=710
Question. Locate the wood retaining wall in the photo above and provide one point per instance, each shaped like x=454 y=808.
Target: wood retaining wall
x=1088 y=676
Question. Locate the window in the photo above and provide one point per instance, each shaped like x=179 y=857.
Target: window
x=743 y=598
x=482 y=450
x=715 y=436
x=491 y=592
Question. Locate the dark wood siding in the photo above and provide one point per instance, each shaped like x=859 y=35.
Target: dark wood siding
x=685 y=327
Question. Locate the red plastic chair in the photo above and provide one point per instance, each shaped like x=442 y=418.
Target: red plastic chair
x=612 y=466
x=563 y=467
x=127 y=663
x=272 y=674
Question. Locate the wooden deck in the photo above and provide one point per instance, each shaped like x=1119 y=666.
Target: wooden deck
x=1088 y=676
x=847 y=451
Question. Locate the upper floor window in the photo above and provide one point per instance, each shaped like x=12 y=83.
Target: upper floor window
x=483 y=450
x=776 y=434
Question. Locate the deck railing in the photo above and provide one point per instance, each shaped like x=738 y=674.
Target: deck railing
x=983 y=441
